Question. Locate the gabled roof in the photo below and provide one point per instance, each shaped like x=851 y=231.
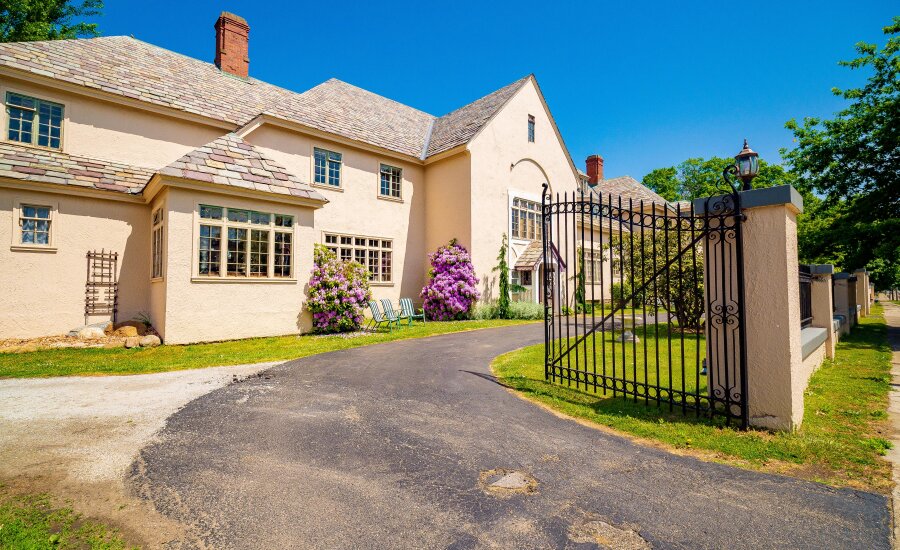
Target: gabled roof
x=130 y=68
x=628 y=188
x=229 y=160
x=41 y=165
x=530 y=256
x=358 y=114
x=458 y=127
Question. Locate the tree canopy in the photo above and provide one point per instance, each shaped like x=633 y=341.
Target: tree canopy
x=698 y=177
x=853 y=162
x=27 y=20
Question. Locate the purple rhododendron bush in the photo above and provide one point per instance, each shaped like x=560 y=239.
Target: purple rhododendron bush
x=338 y=292
x=452 y=291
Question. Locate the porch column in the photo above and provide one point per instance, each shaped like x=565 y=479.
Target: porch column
x=822 y=304
x=842 y=300
x=775 y=381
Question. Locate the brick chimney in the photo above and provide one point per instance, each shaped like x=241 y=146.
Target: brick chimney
x=594 y=169
x=232 y=44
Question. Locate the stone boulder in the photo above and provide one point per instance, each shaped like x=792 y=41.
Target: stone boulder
x=150 y=341
x=133 y=342
x=126 y=331
x=91 y=333
x=139 y=326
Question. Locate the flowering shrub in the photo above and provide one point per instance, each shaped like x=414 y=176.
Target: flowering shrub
x=452 y=290
x=338 y=292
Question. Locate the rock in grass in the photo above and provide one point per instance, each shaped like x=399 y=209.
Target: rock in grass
x=150 y=341
x=132 y=342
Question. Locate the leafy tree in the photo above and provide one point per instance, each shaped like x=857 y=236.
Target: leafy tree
x=698 y=177
x=503 y=274
x=853 y=161
x=27 y=20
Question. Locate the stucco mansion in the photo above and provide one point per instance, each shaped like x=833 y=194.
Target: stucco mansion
x=211 y=187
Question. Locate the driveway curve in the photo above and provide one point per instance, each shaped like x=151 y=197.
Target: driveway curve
x=391 y=446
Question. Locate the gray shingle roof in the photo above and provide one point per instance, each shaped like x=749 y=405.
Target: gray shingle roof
x=627 y=188
x=41 y=165
x=232 y=161
x=131 y=68
x=530 y=256
x=461 y=125
x=358 y=114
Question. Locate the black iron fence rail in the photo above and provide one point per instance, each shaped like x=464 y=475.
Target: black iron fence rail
x=806 y=315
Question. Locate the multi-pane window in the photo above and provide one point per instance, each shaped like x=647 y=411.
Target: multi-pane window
x=525 y=217
x=391 y=178
x=33 y=121
x=34 y=222
x=255 y=244
x=530 y=129
x=157 y=245
x=375 y=254
x=327 y=170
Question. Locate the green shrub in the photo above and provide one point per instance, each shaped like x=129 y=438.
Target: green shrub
x=526 y=310
x=485 y=311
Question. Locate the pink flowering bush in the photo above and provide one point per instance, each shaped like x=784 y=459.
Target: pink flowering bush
x=452 y=291
x=338 y=292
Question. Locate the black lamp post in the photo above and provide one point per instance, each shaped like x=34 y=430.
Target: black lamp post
x=745 y=167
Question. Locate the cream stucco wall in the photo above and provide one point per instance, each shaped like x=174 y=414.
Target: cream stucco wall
x=356 y=208
x=43 y=291
x=103 y=130
x=447 y=203
x=205 y=310
x=505 y=163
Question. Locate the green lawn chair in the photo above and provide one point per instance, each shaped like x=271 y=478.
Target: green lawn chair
x=407 y=311
x=378 y=318
x=389 y=312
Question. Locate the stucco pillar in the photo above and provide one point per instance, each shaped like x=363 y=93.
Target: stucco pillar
x=842 y=300
x=852 y=284
x=822 y=304
x=862 y=291
x=771 y=307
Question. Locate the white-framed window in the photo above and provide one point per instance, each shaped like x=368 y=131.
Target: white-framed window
x=391 y=179
x=374 y=253
x=525 y=218
x=156 y=252
x=33 y=121
x=35 y=225
x=327 y=167
x=530 y=129
x=243 y=243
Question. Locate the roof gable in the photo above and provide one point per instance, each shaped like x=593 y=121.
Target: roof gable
x=229 y=160
x=460 y=126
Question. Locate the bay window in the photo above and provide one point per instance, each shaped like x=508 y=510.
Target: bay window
x=255 y=244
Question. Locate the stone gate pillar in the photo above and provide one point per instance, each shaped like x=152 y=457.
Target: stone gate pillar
x=822 y=304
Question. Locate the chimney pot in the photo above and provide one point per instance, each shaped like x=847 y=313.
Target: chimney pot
x=594 y=169
x=232 y=44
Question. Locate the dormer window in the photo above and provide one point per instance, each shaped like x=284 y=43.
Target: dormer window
x=530 y=129
x=33 y=121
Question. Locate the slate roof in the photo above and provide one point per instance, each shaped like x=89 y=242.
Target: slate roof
x=131 y=68
x=530 y=256
x=628 y=188
x=229 y=160
x=42 y=165
x=461 y=125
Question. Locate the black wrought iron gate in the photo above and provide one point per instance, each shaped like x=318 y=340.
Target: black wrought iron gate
x=645 y=301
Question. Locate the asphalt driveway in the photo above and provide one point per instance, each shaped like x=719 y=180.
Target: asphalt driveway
x=392 y=446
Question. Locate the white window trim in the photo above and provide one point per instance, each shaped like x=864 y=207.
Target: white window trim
x=17 y=244
x=354 y=246
x=312 y=169
x=222 y=277
x=4 y=117
x=378 y=182
x=512 y=199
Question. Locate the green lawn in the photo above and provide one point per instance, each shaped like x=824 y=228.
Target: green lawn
x=69 y=362
x=841 y=442
x=35 y=523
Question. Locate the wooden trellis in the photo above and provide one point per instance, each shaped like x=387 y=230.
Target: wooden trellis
x=101 y=291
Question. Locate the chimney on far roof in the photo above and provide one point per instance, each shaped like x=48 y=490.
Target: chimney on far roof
x=594 y=169
x=232 y=44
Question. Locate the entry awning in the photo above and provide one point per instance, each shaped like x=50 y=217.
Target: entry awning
x=534 y=253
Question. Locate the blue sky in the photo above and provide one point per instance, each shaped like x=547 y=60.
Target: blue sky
x=645 y=85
